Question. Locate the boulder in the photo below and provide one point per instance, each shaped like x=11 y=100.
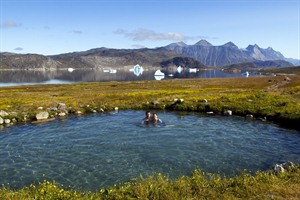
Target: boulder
x=61 y=114
x=78 y=112
x=249 y=116
x=3 y=113
x=228 y=112
x=280 y=168
x=7 y=121
x=1 y=120
x=61 y=106
x=42 y=115
x=288 y=164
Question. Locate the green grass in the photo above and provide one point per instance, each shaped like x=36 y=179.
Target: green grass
x=271 y=97
x=265 y=97
x=262 y=185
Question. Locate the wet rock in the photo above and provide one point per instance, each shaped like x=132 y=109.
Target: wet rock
x=7 y=121
x=1 y=120
x=288 y=164
x=227 y=112
x=116 y=108
x=280 y=168
x=61 y=114
x=78 y=112
x=42 y=115
x=3 y=113
x=249 y=116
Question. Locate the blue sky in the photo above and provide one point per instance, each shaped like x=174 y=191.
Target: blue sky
x=59 y=26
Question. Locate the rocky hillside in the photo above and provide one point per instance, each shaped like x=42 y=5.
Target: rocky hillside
x=257 y=65
x=98 y=58
x=226 y=54
x=26 y=62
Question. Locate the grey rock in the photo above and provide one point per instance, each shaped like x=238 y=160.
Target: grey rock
x=1 y=120
x=42 y=115
x=61 y=114
x=61 y=106
x=7 y=121
x=3 y=113
x=288 y=164
x=78 y=112
x=278 y=168
x=228 y=112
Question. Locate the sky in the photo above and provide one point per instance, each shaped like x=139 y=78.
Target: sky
x=51 y=27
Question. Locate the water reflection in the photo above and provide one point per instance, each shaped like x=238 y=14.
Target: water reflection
x=78 y=75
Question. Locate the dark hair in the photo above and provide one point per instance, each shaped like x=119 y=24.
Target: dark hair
x=147 y=111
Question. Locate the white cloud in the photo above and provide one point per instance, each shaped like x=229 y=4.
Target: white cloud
x=77 y=32
x=18 y=49
x=10 y=24
x=146 y=34
x=138 y=46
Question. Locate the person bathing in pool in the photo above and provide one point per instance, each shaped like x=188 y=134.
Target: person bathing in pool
x=155 y=119
x=148 y=117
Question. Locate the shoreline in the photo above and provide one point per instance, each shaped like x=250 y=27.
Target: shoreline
x=273 y=99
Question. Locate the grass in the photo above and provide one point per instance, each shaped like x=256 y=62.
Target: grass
x=262 y=185
x=271 y=98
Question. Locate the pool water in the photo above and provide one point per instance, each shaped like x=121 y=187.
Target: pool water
x=93 y=151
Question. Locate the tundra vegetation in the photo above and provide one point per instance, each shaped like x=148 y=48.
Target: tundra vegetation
x=272 y=98
x=267 y=98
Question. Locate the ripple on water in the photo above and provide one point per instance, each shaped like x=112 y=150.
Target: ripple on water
x=98 y=150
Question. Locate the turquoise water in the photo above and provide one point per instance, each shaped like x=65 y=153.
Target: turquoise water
x=93 y=151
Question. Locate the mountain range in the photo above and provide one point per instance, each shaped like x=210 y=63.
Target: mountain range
x=200 y=55
x=228 y=53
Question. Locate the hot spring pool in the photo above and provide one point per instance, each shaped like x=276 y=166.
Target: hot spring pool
x=98 y=150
